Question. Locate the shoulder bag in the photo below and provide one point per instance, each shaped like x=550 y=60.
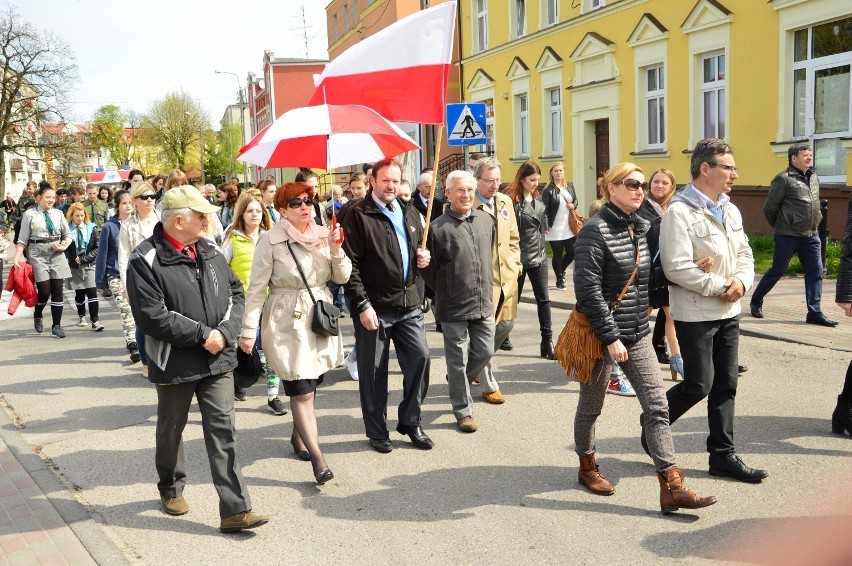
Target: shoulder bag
x=326 y=318
x=575 y=220
x=578 y=348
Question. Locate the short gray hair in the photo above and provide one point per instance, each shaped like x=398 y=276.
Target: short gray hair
x=425 y=178
x=459 y=175
x=166 y=216
x=484 y=165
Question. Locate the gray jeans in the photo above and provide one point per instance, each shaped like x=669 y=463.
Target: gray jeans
x=501 y=331
x=643 y=373
x=468 y=347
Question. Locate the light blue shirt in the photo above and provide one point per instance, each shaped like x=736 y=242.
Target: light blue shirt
x=487 y=202
x=715 y=208
x=397 y=218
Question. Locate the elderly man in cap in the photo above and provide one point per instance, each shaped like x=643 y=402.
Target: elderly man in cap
x=189 y=304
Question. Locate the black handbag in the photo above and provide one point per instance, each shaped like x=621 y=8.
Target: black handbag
x=248 y=368
x=326 y=318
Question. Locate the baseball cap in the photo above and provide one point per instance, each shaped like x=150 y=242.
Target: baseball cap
x=187 y=196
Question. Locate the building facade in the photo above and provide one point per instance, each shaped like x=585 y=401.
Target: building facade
x=595 y=82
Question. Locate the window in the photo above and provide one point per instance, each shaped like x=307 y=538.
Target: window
x=334 y=33
x=345 y=18
x=822 y=60
x=522 y=125
x=481 y=25
x=518 y=18
x=88 y=169
x=713 y=95
x=595 y=4
x=655 y=106
x=550 y=13
x=553 y=96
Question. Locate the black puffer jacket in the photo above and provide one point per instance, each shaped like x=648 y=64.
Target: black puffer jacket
x=844 y=278
x=604 y=260
x=532 y=224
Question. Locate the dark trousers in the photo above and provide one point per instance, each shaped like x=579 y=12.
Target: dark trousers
x=563 y=254
x=538 y=279
x=710 y=350
x=215 y=397
x=658 y=340
x=809 y=250
x=408 y=334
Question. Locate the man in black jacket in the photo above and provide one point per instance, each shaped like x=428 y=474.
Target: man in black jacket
x=382 y=236
x=792 y=209
x=189 y=304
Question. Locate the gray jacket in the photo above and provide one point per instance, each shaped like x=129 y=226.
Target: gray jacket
x=532 y=224
x=792 y=205
x=460 y=269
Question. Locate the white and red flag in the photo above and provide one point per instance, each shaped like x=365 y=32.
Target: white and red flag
x=400 y=72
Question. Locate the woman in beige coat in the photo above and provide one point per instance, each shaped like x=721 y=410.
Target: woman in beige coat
x=298 y=355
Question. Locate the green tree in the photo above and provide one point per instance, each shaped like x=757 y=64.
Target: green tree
x=219 y=156
x=108 y=132
x=37 y=69
x=176 y=125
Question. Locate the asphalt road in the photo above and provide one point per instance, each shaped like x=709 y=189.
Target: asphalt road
x=506 y=494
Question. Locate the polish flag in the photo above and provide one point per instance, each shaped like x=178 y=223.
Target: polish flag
x=400 y=72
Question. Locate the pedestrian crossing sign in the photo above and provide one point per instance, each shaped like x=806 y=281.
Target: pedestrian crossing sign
x=466 y=123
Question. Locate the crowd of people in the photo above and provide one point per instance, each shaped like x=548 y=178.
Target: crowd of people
x=201 y=273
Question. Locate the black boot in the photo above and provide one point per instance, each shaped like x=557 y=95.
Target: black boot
x=841 y=419
x=547 y=348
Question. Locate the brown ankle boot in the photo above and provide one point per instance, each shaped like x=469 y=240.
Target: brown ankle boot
x=590 y=476
x=675 y=495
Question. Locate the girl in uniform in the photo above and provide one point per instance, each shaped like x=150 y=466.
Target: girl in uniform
x=82 y=254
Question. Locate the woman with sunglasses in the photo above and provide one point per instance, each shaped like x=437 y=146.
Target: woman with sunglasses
x=136 y=229
x=276 y=291
x=606 y=257
x=532 y=225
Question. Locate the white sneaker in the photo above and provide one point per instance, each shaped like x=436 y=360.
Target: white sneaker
x=82 y=323
x=618 y=384
x=351 y=366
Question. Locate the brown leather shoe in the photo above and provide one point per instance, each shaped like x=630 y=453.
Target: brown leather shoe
x=242 y=521
x=591 y=477
x=494 y=397
x=467 y=424
x=174 y=505
x=675 y=495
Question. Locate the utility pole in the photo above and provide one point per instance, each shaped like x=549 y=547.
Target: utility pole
x=242 y=115
x=305 y=32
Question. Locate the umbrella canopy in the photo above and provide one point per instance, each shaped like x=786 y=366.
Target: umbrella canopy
x=326 y=137
x=109 y=177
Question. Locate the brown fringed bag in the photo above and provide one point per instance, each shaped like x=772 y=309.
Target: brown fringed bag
x=578 y=349
x=575 y=221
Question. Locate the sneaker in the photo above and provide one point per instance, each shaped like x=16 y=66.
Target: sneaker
x=618 y=386
x=276 y=406
x=57 y=331
x=107 y=293
x=240 y=393
x=351 y=366
x=97 y=326
x=82 y=322
x=38 y=323
x=131 y=346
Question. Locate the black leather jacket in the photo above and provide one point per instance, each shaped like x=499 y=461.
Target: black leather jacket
x=550 y=198
x=532 y=224
x=792 y=204
x=605 y=255
x=844 y=278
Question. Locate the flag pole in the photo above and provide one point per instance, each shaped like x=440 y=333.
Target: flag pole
x=438 y=139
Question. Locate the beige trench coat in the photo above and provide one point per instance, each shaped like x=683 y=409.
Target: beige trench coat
x=291 y=348
x=506 y=257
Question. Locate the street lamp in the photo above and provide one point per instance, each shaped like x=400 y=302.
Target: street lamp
x=242 y=117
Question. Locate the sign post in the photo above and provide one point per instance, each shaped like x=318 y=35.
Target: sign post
x=466 y=124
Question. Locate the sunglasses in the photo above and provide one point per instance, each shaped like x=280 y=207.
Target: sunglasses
x=634 y=185
x=297 y=202
x=147 y=197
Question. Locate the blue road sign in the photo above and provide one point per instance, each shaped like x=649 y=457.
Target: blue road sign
x=466 y=123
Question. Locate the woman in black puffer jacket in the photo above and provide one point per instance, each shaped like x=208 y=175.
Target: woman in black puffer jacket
x=605 y=256
x=842 y=418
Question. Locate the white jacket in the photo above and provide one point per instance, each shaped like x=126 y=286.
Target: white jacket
x=690 y=232
x=133 y=232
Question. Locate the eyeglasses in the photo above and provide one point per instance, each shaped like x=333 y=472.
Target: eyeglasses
x=728 y=168
x=297 y=202
x=634 y=185
x=147 y=197
x=491 y=181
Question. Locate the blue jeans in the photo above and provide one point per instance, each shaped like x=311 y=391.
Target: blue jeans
x=809 y=250
x=140 y=343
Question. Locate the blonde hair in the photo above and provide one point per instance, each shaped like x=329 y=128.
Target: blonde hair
x=614 y=176
x=670 y=195
x=242 y=205
x=595 y=207
x=142 y=189
x=75 y=206
x=176 y=178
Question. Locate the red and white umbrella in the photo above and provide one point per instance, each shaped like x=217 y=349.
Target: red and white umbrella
x=326 y=137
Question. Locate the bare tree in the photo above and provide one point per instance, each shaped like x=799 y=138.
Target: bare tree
x=37 y=69
x=176 y=125
x=66 y=155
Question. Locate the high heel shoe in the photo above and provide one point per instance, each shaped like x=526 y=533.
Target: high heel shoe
x=302 y=454
x=324 y=476
x=841 y=419
x=547 y=349
x=676 y=366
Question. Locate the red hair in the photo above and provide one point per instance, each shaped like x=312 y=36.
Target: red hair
x=289 y=191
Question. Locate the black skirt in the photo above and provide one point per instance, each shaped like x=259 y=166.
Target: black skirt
x=659 y=298
x=300 y=386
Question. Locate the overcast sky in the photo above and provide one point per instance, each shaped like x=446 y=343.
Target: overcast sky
x=133 y=52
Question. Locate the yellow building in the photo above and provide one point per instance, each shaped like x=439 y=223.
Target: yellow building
x=595 y=82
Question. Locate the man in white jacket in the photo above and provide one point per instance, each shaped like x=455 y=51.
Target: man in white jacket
x=700 y=222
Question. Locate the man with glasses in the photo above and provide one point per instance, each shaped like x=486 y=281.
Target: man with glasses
x=505 y=263
x=792 y=209
x=702 y=222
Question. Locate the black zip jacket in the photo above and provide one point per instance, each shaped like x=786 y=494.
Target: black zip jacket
x=532 y=224
x=605 y=254
x=177 y=302
x=372 y=245
x=88 y=256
